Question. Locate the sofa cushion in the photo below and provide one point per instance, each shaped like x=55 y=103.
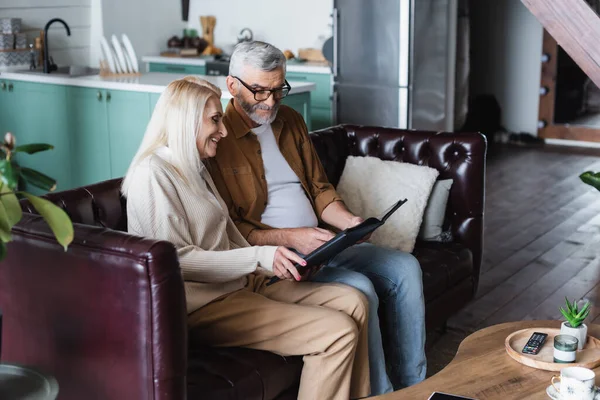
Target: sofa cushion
x=234 y=373
x=444 y=265
x=435 y=212
x=370 y=185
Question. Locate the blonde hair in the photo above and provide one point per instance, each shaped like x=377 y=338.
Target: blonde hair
x=175 y=123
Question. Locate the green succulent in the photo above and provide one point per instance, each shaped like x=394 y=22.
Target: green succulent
x=591 y=178
x=573 y=314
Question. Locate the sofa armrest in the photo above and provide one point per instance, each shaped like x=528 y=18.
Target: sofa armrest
x=106 y=317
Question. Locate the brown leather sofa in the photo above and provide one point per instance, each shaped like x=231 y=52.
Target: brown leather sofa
x=107 y=317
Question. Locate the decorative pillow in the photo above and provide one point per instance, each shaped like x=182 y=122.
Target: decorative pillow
x=369 y=186
x=433 y=218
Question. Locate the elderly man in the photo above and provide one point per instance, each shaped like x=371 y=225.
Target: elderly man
x=277 y=192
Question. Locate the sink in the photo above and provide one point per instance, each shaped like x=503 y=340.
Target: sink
x=71 y=71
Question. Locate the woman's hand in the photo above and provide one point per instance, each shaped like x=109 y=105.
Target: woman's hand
x=283 y=264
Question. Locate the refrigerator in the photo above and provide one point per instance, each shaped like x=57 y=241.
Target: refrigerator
x=394 y=63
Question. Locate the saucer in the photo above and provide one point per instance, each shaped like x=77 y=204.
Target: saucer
x=550 y=391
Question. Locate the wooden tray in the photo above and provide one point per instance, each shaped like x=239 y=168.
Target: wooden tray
x=589 y=357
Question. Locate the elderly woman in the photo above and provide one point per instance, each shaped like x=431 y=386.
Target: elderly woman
x=171 y=196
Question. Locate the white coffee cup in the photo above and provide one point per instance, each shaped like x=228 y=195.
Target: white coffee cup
x=576 y=383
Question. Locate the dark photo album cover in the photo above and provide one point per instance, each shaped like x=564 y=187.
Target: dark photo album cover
x=344 y=239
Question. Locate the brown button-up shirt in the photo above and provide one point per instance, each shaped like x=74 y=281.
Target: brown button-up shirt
x=239 y=174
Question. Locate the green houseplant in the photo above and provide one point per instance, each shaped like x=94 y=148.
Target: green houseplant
x=591 y=178
x=10 y=210
x=574 y=325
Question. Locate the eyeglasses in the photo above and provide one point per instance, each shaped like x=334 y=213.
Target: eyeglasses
x=263 y=94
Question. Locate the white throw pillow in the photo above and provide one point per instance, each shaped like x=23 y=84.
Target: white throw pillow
x=433 y=218
x=370 y=185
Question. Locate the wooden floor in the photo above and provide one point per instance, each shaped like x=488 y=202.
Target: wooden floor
x=541 y=240
x=541 y=237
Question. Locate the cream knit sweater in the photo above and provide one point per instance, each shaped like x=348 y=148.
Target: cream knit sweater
x=214 y=257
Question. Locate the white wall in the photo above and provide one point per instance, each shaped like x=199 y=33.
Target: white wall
x=66 y=50
x=506 y=49
x=285 y=24
x=148 y=23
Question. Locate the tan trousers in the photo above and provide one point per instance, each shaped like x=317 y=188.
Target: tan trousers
x=326 y=323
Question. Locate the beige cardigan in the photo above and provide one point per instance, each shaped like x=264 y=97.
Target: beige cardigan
x=214 y=257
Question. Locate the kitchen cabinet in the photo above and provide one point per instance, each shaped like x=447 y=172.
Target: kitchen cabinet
x=107 y=127
x=89 y=135
x=36 y=113
x=128 y=116
x=44 y=118
x=95 y=131
x=9 y=107
x=177 y=68
x=321 y=97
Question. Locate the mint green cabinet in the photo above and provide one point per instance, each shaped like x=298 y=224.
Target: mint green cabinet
x=177 y=68
x=45 y=120
x=36 y=113
x=107 y=127
x=10 y=107
x=95 y=132
x=128 y=116
x=321 y=96
x=320 y=118
x=320 y=110
x=301 y=103
x=89 y=135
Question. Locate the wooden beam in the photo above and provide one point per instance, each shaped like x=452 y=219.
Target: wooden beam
x=576 y=27
x=548 y=83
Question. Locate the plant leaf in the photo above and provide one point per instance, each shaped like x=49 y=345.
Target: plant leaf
x=38 y=179
x=574 y=307
x=591 y=178
x=583 y=310
x=55 y=217
x=5 y=227
x=569 y=310
x=2 y=250
x=8 y=174
x=32 y=148
x=11 y=206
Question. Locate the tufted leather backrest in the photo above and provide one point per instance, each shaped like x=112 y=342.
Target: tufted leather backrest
x=458 y=156
x=100 y=205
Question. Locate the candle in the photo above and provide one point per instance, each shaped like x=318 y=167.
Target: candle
x=565 y=348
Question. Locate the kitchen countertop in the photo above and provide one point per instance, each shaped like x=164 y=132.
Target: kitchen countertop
x=292 y=66
x=150 y=82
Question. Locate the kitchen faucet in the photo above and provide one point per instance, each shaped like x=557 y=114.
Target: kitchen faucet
x=49 y=65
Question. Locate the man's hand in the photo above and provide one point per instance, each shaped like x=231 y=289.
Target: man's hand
x=356 y=220
x=283 y=264
x=306 y=240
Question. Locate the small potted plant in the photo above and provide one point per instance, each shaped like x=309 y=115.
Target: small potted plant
x=574 y=325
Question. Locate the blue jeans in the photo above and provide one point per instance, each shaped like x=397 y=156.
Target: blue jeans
x=394 y=277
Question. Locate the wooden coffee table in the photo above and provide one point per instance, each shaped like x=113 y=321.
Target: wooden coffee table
x=483 y=370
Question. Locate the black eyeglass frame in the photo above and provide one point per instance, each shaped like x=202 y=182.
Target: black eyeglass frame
x=272 y=92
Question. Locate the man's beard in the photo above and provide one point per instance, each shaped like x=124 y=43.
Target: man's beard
x=250 y=110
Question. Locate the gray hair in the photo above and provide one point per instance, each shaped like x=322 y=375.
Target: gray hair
x=260 y=55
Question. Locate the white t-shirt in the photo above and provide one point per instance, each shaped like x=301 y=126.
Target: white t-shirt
x=287 y=204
